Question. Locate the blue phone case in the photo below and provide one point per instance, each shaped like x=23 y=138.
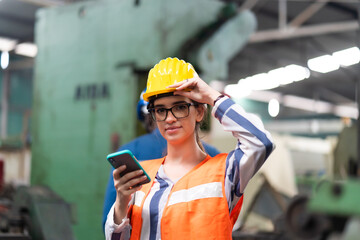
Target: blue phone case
x=126 y=157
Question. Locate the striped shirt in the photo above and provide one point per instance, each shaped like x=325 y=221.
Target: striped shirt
x=254 y=145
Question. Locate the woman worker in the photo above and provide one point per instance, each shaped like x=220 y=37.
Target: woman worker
x=191 y=195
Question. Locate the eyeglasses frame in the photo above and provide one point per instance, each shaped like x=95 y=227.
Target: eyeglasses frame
x=152 y=110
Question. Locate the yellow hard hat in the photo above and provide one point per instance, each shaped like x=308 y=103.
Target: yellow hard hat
x=167 y=72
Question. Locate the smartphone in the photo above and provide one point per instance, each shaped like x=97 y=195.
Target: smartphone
x=126 y=157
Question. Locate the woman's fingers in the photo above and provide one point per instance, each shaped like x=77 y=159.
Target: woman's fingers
x=132 y=190
x=200 y=91
x=126 y=177
x=130 y=187
x=127 y=184
x=117 y=171
x=187 y=83
x=133 y=183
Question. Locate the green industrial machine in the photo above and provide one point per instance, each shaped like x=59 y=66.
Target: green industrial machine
x=92 y=60
x=335 y=204
x=337 y=198
x=332 y=207
x=331 y=211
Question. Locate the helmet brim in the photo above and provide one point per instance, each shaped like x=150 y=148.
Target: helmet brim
x=148 y=95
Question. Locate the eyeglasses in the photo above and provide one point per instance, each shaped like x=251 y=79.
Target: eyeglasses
x=178 y=111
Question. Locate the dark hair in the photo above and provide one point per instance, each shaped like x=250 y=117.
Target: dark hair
x=153 y=98
x=198 y=125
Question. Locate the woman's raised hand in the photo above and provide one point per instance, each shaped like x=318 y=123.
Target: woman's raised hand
x=200 y=90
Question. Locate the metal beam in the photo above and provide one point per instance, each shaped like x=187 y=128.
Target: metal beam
x=328 y=94
x=319 y=29
x=44 y=3
x=307 y=104
x=307 y=126
x=307 y=13
x=282 y=14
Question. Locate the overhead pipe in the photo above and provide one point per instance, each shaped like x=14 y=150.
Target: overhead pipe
x=44 y=3
x=312 y=30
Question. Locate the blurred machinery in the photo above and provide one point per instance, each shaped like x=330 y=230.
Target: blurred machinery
x=346 y=153
x=332 y=210
x=93 y=59
x=34 y=213
x=326 y=208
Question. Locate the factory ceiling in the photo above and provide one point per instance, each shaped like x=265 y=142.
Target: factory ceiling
x=288 y=32
x=292 y=32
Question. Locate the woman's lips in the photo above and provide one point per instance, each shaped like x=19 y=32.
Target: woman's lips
x=171 y=129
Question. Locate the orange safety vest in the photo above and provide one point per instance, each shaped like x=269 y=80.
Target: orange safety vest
x=197 y=207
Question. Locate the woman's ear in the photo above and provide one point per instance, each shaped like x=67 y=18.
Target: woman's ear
x=200 y=112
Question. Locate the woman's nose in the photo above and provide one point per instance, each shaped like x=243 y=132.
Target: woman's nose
x=170 y=117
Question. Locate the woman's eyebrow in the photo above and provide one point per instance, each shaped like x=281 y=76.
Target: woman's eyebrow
x=155 y=105
x=179 y=102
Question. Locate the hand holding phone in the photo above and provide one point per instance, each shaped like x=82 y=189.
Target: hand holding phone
x=126 y=157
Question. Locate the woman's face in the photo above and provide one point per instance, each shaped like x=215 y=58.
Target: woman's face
x=177 y=130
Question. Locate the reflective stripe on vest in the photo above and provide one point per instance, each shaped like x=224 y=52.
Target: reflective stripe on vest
x=207 y=190
x=197 y=207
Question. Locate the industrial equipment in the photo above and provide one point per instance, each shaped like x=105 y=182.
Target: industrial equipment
x=35 y=213
x=332 y=209
x=326 y=208
x=263 y=217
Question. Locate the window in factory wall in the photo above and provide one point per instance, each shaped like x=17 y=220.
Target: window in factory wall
x=20 y=102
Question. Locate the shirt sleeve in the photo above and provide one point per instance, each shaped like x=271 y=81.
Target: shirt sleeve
x=114 y=231
x=254 y=145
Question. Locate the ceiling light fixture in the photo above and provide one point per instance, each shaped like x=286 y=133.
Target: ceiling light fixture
x=297 y=73
x=289 y=74
x=323 y=64
x=274 y=78
x=278 y=76
x=4 y=60
x=348 y=56
x=26 y=49
x=274 y=107
x=260 y=81
x=7 y=44
x=237 y=91
x=293 y=73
